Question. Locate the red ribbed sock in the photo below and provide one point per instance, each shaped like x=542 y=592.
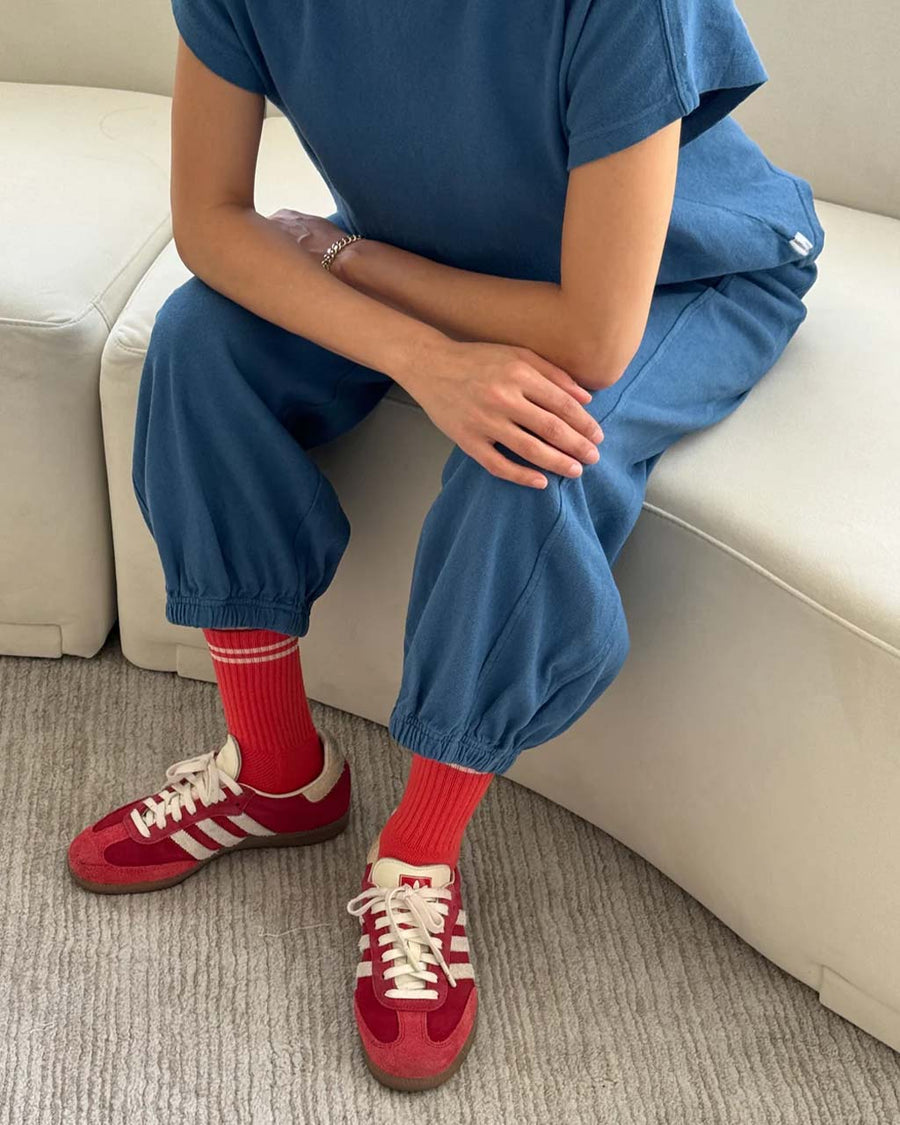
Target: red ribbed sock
x=266 y=709
x=428 y=824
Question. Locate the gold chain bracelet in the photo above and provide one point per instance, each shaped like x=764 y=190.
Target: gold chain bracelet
x=335 y=248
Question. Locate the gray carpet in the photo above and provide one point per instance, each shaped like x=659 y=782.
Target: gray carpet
x=608 y=995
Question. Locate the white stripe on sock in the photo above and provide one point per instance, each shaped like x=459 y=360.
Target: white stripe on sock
x=255 y=659
x=226 y=651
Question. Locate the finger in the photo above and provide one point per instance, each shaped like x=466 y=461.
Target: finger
x=554 y=431
x=560 y=378
x=545 y=394
x=540 y=452
x=499 y=466
x=567 y=383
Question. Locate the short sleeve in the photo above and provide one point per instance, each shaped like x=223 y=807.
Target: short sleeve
x=220 y=34
x=633 y=66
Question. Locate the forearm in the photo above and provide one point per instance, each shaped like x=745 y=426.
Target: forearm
x=541 y=316
x=243 y=255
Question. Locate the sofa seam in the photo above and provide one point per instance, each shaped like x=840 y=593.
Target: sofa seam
x=21 y=322
x=93 y=303
x=167 y=221
x=781 y=583
x=138 y=352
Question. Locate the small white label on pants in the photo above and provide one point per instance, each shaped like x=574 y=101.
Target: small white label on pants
x=801 y=243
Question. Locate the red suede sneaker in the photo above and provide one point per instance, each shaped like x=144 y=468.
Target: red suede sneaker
x=415 y=999
x=203 y=813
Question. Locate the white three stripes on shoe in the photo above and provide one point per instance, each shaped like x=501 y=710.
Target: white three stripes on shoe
x=218 y=833
x=461 y=970
x=221 y=835
x=191 y=846
x=249 y=825
x=459 y=943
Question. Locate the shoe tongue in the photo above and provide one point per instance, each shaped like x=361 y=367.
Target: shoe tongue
x=388 y=872
x=228 y=758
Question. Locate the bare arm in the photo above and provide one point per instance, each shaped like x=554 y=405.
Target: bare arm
x=616 y=218
x=479 y=394
x=216 y=129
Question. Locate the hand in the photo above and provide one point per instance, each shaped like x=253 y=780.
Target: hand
x=312 y=233
x=480 y=393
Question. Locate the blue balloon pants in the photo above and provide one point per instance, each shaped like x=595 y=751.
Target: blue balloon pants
x=514 y=625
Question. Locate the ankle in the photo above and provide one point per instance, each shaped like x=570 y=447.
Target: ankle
x=264 y=700
x=427 y=826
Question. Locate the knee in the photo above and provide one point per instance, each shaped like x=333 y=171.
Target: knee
x=473 y=496
x=544 y=547
x=183 y=315
x=179 y=370
x=561 y=703
x=571 y=526
x=193 y=331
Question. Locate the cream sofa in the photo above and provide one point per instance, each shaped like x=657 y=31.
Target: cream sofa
x=750 y=749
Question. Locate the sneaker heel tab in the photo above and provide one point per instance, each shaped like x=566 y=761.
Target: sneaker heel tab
x=228 y=757
x=332 y=768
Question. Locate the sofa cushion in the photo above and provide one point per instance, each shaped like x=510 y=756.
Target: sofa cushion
x=84 y=199
x=84 y=210
x=802 y=479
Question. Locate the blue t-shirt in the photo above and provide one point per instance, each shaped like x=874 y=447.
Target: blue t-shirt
x=448 y=127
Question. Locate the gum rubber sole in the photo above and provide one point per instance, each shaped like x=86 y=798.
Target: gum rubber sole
x=282 y=840
x=413 y=1085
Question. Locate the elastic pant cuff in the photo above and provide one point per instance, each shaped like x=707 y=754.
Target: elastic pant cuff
x=210 y=613
x=454 y=749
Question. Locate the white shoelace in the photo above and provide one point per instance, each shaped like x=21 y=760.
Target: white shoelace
x=412 y=917
x=190 y=781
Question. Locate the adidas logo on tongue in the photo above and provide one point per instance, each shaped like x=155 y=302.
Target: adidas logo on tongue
x=413 y=880
x=389 y=872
